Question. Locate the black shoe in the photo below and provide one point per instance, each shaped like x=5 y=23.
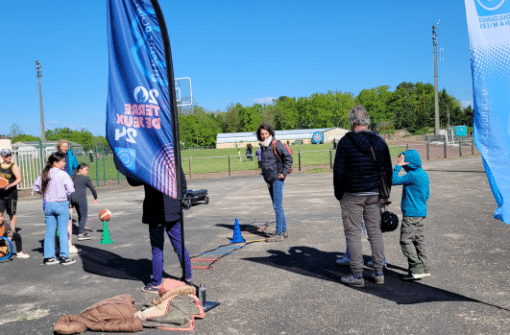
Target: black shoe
x=67 y=261
x=83 y=236
x=50 y=261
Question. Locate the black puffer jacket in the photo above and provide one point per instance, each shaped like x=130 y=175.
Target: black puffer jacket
x=354 y=170
x=271 y=165
x=159 y=207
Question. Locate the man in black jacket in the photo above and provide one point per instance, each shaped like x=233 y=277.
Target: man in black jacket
x=356 y=179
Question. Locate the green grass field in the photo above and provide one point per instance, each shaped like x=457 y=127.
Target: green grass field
x=217 y=160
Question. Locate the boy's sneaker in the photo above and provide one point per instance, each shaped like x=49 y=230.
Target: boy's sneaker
x=421 y=275
x=275 y=238
x=353 y=281
x=377 y=279
x=67 y=261
x=84 y=236
x=371 y=263
x=416 y=276
x=22 y=254
x=51 y=261
x=151 y=288
x=344 y=260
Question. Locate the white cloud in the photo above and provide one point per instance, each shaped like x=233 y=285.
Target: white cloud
x=53 y=123
x=264 y=101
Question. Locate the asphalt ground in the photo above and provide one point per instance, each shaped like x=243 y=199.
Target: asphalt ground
x=290 y=287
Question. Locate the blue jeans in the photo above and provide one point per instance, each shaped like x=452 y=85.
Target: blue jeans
x=57 y=216
x=276 y=192
x=157 y=237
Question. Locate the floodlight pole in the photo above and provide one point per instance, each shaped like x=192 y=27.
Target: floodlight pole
x=436 y=96
x=39 y=75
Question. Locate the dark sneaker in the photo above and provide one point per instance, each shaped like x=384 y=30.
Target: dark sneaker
x=275 y=238
x=151 y=288
x=353 y=281
x=371 y=263
x=67 y=261
x=84 y=236
x=377 y=279
x=51 y=261
x=344 y=260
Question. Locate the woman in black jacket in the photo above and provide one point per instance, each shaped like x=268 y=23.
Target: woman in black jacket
x=276 y=163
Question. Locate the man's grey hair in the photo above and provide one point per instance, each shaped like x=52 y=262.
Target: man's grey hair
x=358 y=116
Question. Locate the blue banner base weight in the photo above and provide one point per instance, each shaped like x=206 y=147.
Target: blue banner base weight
x=210 y=305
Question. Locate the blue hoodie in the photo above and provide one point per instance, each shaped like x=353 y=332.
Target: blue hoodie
x=416 y=185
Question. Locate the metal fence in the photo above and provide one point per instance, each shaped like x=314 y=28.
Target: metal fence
x=32 y=159
x=102 y=169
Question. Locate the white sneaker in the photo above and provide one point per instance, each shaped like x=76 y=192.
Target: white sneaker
x=343 y=261
x=22 y=254
x=73 y=250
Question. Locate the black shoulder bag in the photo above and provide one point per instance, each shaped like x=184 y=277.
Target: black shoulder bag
x=384 y=188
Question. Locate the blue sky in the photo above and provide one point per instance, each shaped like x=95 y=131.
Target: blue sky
x=242 y=51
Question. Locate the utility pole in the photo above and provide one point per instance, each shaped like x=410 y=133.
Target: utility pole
x=436 y=96
x=39 y=75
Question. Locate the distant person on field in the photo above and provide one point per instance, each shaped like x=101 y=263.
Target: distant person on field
x=9 y=193
x=356 y=179
x=71 y=164
x=249 y=152
x=163 y=215
x=415 y=194
x=275 y=167
x=79 y=198
x=55 y=186
x=11 y=235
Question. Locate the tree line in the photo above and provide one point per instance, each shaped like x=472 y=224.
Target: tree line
x=410 y=106
x=83 y=137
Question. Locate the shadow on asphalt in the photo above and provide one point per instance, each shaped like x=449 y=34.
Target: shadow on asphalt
x=454 y=171
x=246 y=228
x=319 y=264
x=108 y=264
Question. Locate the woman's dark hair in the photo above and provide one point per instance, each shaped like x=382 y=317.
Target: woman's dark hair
x=45 y=179
x=267 y=127
x=78 y=168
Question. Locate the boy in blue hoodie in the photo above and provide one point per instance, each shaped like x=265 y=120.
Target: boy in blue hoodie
x=415 y=194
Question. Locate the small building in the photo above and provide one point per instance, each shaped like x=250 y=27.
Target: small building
x=49 y=146
x=5 y=143
x=241 y=140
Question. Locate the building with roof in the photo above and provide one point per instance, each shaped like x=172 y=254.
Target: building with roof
x=50 y=146
x=241 y=140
